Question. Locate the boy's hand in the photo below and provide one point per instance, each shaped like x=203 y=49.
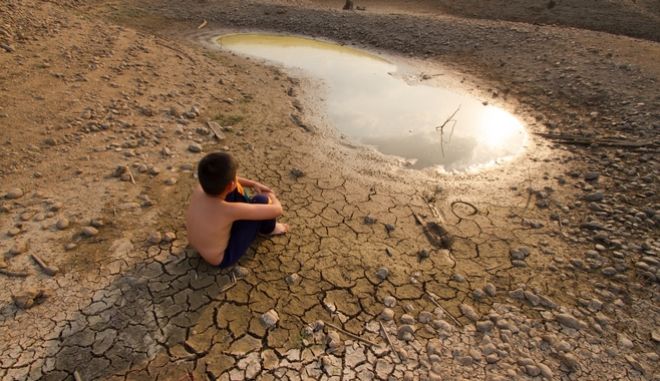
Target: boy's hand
x=260 y=188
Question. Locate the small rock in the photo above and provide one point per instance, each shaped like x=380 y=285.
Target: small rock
x=240 y=272
x=62 y=223
x=333 y=340
x=490 y=289
x=569 y=321
x=29 y=298
x=154 y=238
x=89 y=231
x=270 y=319
x=387 y=314
x=469 y=312
x=407 y=319
x=425 y=317
x=389 y=301
x=569 y=361
x=594 y=197
x=19 y=248
x=368 y=220
x=591 y=176
x=170 y=181
x=297 y=173
x=292 y=279
x=14 y=193
x=545 y=371
x=405 y=332
x=382 y=273
x=169 y=237
x=484 y=326
x=195 y=148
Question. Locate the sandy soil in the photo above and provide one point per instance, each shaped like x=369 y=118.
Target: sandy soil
x=542 y=268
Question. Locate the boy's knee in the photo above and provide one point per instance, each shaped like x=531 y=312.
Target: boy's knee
x=260 y=199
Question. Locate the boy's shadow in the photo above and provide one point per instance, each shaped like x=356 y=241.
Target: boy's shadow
x=148 y=310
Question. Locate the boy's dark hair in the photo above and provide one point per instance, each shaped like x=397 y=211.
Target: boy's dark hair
x=215 y=171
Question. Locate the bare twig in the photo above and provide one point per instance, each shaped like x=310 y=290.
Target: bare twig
x=175 y=49
x=14 y=273
x=130 y=174
x=48 y=270
x=389 y=341
x=351 y=335
x=432 y=299
x=203 y=24
x=76 y=376
x=442 y=126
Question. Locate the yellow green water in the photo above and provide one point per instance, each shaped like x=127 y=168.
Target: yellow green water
x=366 y=101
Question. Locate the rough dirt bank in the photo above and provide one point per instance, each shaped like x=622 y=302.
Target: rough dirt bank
x=105 y=111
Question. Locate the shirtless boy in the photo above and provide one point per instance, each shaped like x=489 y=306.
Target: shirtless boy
x=221 y=221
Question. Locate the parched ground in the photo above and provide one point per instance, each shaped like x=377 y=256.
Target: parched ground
x=542 y=268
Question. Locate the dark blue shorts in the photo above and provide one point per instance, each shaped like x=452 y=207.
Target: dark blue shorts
x=244 y=232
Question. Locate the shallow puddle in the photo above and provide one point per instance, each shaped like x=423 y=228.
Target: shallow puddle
x=368 y=101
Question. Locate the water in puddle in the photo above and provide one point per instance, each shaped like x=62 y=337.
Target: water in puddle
x=367 y=102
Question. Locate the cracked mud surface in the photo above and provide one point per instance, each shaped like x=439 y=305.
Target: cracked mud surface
x=553 y=264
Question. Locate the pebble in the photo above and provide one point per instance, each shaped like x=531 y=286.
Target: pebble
x=389 y=301
x=62 y=223
x=545 y=371
x=270 y=319
x=387 y=314
x=382 y=273
x=569 y=361
x=89 y=231
x=594 y=197
x=484 y=326
x=14 y=193
x=469 y=312
x=30 y=297
x=169 y=237
x=333 y=340
x=292 y=279
x=405 y=332
x=154 y=238
x=407 y=319
x=18 y=248
x=425 y=317
x=195 y=148
x=170 y=181
x=532 y=370
x=569 y=321
x=490 y=289
x=241 y=272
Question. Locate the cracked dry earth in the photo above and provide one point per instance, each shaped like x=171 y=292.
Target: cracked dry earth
x=387 y=274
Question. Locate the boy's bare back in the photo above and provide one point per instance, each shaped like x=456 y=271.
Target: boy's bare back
x=208 y=221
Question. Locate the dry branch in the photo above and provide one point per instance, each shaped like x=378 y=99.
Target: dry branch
x=351 y=335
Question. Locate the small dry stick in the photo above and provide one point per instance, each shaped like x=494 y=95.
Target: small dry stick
x=44 y=266
x=130 y=174
x=356 y=337
x=389 y=341
x=202 y=25
x=443 y=308
x=76 y=376
x=215 y=133
x=13 y=273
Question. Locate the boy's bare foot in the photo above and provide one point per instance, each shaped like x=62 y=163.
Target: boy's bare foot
x=280 y=228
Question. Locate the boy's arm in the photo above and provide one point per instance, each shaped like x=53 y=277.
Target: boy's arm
x=256 y=212
x=257 y=186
